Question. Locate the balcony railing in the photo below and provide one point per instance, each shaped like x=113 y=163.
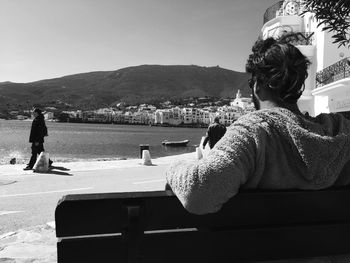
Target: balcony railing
x=273 y=11
x=300 y=38
x=337 y=71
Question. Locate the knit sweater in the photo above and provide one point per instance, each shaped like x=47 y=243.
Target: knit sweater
x=266 y=149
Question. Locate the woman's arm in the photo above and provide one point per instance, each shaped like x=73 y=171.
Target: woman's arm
x=203 y=186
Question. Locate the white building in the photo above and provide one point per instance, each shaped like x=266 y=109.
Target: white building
x=327 y=86
x=241 y=102
x=187 y=115
x=118 y=116
x=48 y=115
x=151 y=118
x=128 y=117
x=171 y=116
x=136 y=118
x=162 y=116
x=227 y=114
x=204 y=116
x=175 y=117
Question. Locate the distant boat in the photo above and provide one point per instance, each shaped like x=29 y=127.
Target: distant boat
x=175 y=143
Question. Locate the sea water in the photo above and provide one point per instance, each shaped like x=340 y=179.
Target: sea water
x=81 y=141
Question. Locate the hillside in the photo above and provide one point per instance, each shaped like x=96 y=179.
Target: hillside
x=140 y=84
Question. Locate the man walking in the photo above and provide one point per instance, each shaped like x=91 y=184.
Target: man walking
x=214 y=133
x=36 y=137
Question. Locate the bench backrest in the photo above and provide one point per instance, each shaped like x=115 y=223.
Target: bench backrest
x=154 y=227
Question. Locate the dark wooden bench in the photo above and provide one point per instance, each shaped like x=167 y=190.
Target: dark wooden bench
x=154 y=227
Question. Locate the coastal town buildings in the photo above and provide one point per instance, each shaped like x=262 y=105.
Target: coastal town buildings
x=327 y=86
x=170 y=116
x=199 y=113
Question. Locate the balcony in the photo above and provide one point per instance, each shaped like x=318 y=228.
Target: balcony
x=337 y=71
x=273 y=11
x=301 y=38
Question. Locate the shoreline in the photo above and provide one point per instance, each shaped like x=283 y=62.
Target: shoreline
x=192 y=125
x=93 y=142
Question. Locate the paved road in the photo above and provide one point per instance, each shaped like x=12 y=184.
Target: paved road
x=29 y=199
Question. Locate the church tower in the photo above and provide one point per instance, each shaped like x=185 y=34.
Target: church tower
x=238 y=94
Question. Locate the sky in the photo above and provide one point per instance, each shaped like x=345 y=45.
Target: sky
x=43 y=39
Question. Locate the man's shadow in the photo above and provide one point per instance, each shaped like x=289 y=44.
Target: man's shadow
x=52 y=170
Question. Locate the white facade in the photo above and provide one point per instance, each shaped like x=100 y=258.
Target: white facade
x=205 y=116
x=317 y=97
x=162 y=116
x=241 y=102
x=48 y=115
x=228 y=114
x=175 y=117
x=171 y=116
x=137 y=118
x=128 y=117
x=187 y=115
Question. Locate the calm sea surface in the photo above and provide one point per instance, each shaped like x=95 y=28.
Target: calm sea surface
x=74 y=141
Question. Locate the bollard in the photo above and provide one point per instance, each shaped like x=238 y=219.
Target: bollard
x=146 y=158
x=42 y=163
x=143 y=147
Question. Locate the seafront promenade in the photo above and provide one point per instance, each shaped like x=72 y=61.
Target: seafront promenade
x=28 y=200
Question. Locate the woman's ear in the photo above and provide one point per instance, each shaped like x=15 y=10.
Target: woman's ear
x=262 y=92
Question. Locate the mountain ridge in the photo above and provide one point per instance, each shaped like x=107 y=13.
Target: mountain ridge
x=132 y=85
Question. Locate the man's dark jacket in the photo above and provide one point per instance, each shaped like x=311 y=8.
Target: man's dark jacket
x=214 y=134
x=38 y=130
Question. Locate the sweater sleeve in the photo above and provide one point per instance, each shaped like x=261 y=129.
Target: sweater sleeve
x=203 y=186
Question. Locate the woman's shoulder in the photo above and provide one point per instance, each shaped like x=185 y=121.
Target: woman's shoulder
x=275 y=114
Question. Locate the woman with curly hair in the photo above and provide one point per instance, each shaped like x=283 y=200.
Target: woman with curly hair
x=278 y=71
x=274 y=147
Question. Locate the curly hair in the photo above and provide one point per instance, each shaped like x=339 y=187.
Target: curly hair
x=280 y=66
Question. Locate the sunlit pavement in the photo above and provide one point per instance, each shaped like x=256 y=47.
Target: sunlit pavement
x=28 y=200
